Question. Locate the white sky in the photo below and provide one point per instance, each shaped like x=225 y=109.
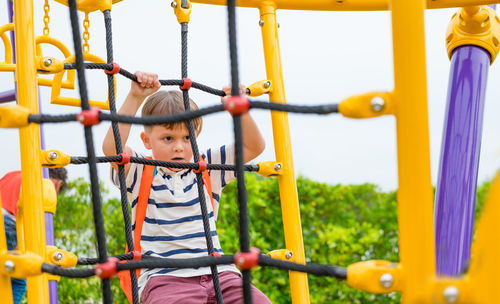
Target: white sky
x=326 y=57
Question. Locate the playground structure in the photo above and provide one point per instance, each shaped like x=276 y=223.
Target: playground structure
x=425 y=272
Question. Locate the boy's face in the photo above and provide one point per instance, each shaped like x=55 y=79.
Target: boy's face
x=169 y=144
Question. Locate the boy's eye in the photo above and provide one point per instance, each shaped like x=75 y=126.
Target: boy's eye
x=168 y=138
x=186 y=137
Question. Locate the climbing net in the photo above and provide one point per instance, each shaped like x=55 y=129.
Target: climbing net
x=107 y=266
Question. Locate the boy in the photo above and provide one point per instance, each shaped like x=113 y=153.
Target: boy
x=173 y=225
x=10 y=189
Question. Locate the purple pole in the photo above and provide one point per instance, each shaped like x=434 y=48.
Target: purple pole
x=8 y=96
x=49 y=223
x=457 y=179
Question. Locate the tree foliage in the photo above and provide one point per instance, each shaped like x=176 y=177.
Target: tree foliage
x=74 y=231
x=341 y=224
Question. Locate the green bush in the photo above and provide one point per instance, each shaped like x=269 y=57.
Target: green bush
x=341 y=225
x=74 y=231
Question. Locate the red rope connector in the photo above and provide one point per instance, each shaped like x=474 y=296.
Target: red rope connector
x=106 y=270
x=89 y=117
x=137 y=255
x=215 y=254
x=125 y=159
x=115 y=70
x=202 y=166
x=187 y=84
x=247 y=260
x=237 y=105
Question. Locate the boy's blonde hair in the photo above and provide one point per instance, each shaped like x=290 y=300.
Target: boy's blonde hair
x=169 y=103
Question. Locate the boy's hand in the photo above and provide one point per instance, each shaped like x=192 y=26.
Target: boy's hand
x=227 y=90
x=147 y=84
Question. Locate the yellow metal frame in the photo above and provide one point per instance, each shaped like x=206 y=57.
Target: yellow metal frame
x=346 y=5
x=415 y=196
x=282 y=144
x=91 y=5
x=259 y=88
x=414 y=275
x=31 y=213
x=476 y=25
x=69 y=83
x=56 y=97
x=8 y=64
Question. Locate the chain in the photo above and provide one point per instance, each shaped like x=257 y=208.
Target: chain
x=46 y=18
x=86 y=35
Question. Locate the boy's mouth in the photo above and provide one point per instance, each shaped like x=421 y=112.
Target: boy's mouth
x=178 y=159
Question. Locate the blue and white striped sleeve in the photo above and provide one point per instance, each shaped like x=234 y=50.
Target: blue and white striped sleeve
x=221 y=155
x=133 y=178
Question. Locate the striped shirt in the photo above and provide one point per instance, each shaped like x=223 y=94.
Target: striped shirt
x=173 y=227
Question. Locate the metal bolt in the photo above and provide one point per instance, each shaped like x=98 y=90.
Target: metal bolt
x=57 y=256
x=261 y=22
x=98 y=271
x=241 y=261
x=377 y=103
x=450 y=294
x=278 y=25
x=277 y=167
x=386 y=280
x=288 y=255
x=173 y=4
x=9 y=266
x=266 y=84
x=52 y=155
x=47 y=62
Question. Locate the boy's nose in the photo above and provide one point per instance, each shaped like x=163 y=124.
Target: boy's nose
x=178 y=147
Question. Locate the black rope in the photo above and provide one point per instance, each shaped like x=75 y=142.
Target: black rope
x=47 y=118
x=240 y=176
x=79 y=160
x=93 y=261
x=118 y=146
x=196 y=156
x=242 y=205
x=177 y=263
x=155 y=262
x=233 y=52
x=161 y=119
x=127 y=74
x=314 y=269
x=168 y=119
x=239 y=167
x=318 y=109
x=94 y=182
x=68 y=272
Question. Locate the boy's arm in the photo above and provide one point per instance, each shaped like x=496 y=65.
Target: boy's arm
x=253 y=142
x=146 y=85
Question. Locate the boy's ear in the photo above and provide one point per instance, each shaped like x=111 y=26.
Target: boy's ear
x=146 y=141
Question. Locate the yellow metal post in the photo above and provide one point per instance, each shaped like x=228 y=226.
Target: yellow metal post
x=31 y=193
x=416 y=238
x=282 y=145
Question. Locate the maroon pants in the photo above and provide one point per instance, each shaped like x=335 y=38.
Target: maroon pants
x=196 y=290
